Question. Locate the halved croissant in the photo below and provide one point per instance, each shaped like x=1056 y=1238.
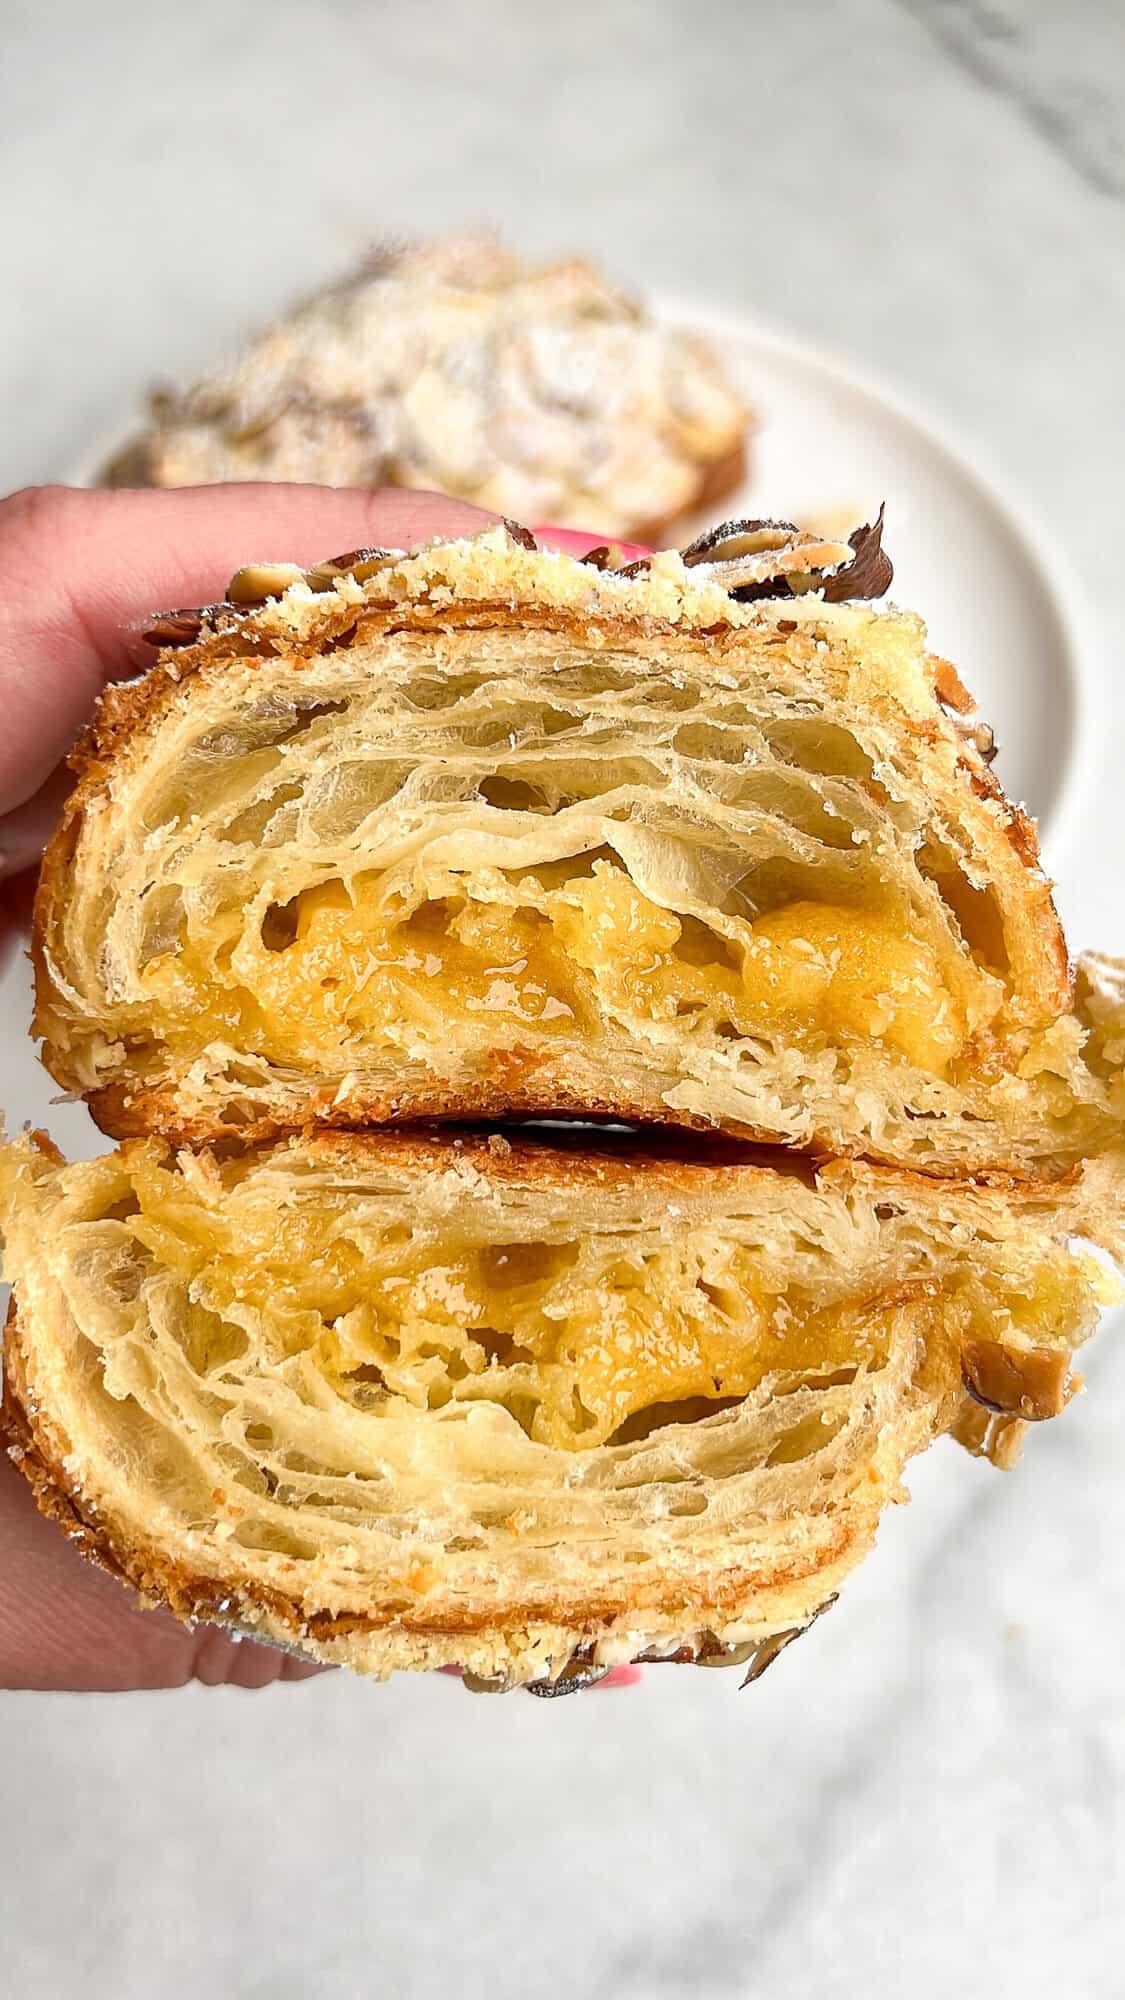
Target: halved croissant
x=406 y=1401
x=489 y=830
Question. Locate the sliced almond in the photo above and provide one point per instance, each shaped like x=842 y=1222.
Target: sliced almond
x=258 y=581
x=753 y=559
x=714 y=1654
x=357 y=563
x=733 y=539
x=522 y=536
x=175 y=628
x=1029 y=1382
x=870 y=572
x=987 y=1435
x=983 y=739
x=576 y=1675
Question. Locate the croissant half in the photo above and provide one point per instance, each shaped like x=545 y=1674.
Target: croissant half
x=411 y=1401
x=489 y=831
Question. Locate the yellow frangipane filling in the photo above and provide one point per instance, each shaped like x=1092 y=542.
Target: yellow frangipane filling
x=584 y=1337
x=846 y=972
x=573 y=1340
x=342 y=967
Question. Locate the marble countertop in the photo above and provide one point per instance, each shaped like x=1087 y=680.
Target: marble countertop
x=928 y=1794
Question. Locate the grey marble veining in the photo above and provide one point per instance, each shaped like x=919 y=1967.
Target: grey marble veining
x=927 y=1795
x=1058 y=66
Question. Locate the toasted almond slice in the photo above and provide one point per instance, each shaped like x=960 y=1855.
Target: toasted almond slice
x=258 y=581
x=1029 y=1382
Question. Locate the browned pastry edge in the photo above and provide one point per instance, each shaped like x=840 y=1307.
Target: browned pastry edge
x=39 y=1449
x=550 y=1155
x=520 y=1086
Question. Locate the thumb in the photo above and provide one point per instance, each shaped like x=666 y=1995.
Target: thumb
x=78 y=569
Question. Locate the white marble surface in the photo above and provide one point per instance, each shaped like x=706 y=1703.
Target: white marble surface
x=928 y=1794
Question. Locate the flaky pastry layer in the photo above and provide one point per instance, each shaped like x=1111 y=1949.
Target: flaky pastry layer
x=410 y=1402
x=487 y=831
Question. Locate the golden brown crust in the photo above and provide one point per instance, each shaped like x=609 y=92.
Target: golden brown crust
x=951 y=689
x=122 y=1111
x=679 y=1159
x=127 y=710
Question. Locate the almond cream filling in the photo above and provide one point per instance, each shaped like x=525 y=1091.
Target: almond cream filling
x=575 y=1341
x=579 y=1351
x=569 y=954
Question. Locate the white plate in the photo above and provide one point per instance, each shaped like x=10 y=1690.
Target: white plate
x=831 y=447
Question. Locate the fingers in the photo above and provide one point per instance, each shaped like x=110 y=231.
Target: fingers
x=78 y=569
x=66 y=1625
x=220 y=1660
x=623 y=1677
x=25 y=831
x=17 y=898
